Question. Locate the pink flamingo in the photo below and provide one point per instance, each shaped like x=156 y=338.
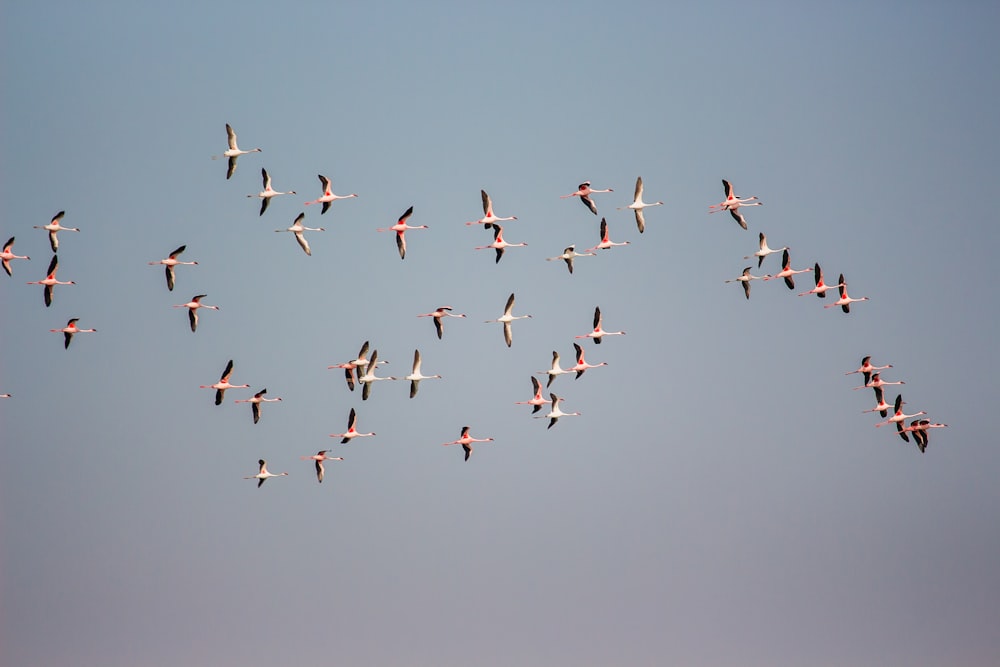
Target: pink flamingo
x=556 y=412
x=255 y=402
x=400 y=228
x=327 y=197
x=268 y=192
x=318 y=458
x=598 y=333
x=170 y=262
x=233 y=152
x=193 y=305
x=369 y=378
x=488 y=217
x=50 y=280
x=537 y=400
x=637 y=205
x=7 y=254
x=821 y=287
x=466 y=441
x=54 y=227
x=223 y=384
x=606 y=242
x=352 y=430
x=69 y=330
x=764 y=250
x=876 y=382
x=898 y=417
x=881 y=406
x=867 y=369
x=439 y=314
x=733 y=203
x=787 y=271
x=264 y=475
x=581 y=363
x=919 y=430
x=360 y=362
x=583 y=192
x=844 y=301
x=499 y=244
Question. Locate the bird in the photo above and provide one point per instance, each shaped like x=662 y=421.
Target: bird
x=233 y=152
x=352 y=430
x=7 y=254
x=488 y=217
x=507 y=318
x=919 y=428
x=637 y=205
x=898 y=417
x=359 y=362
x=223 y=384
x=844 y=301
x=584 y=191
x=170 y=262
x=69 y=330
x=556 y=370
x=745 y=278
x=556 y=412
x=598 y=333
x=318 y=458
x=466 y=441
x=881 y=406
x=54 y=227
x=268 y=191
x=327 y=197
x=255 y=402
x=298 y=228
x=764 y=250
x=606 y=242
x=415 y=377
x=733 y=203
x=5 y=395
x=538 y=400
x=193 y=305
x=568 y=254
x=263 y=475
x=821 y=287
x=867 y=368
x=581 y=363
x=499 y=244
x=787 y=271
x=439 y=314
x=876 y=381
x=400 y=228
x=369 y=377
x=50 y=280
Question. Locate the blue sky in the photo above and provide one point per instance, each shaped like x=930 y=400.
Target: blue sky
x=722 y=499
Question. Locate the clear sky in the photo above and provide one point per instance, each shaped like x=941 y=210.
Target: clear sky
x=722 y=500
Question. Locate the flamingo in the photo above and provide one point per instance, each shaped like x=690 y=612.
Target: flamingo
x=745 y=278
x=298 y=228
x=268 y=192
x=233 y=152
x=881 y=406
x=193 y=305
x=637 y=205
x=499 y=244
x=415 y=377
x=556 y=412
x=170 y=262
x=598 y=333
x=844 y=301
x=568 y=255
x=876 y=382
x=439 y=314
x=466 y=441
x=318 y=458
x=733 y=204
x=327 y=197
x=583 y=192
x=400 y=228
x=919 y=428
x=488 y=217
x=787 y=271
x=821 y=287
x=50 y=280
x=264 y=475
x=764 y=250
x=538 y=400
x=369 y=377
x=361 y=361
x=352 y=430
x=71 y=329
x=581 y=363
x=556 y=369
x=866 y=368
x=223 y=384
x=7 y=254
x=5 y=395
x=507 y=318
x=606 y=242
x=898 y=417
x=54 y=227
x=255 y=402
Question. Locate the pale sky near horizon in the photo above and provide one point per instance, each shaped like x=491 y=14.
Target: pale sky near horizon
x=722 y=499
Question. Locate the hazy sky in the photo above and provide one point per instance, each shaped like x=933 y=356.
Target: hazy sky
x=722 y=500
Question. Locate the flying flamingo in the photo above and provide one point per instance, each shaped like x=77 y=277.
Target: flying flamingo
x=556 y=412
x=170 y=262
x=876 y=381
x=318 y=458
x=581 y=363
x=606 y=242
x=919 y=427
x=821 y=287
x=881 y=406
x=866 y=368
x=898 y=417
x=5 y=395
x=507 y=318
x=488 y=217
x=637 y=205
x=556 y=369
x=369 y=378
x=360 y=362
x=466 y=441
x=298 y=228
x=787 y=271
x=193 y=305
x=568 y=255
x=599 y=331
x=733 y=204
x=400 y=228
x=69 y=330
x=255 y=402
x=537 y=400
x=764 y=250
x=415 y=377
x=327 y=197
x=223 y=384
x=263 y=475
x=844 y=301
x=54 y=227
x=7 y=254
x=745 y=278
x=268 y=192
x=50 y=280
x=583 y=192
x=499 y=244
x=233 y=152
x=352 y=430
x=439 y=314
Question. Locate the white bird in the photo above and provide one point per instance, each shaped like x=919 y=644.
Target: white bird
x=439 y=314
x=7 y=254
x=298 y=228
x=369 y=376
x=637 y=205
x=507 y=318
x=877 y=382
x=268 y=192
x=538 y=400
x=556 y=370
x=844 y=301
x=787 y=271
x=400 y=228
x=54 y=227
x=581 y=364
x=919 y=428
x=264 y=475
x=50 y=280
x=556 y=412
x=359 y=362
x=255 y=402
x=733 y=203
x=499 y=244
x=583 y=192
x=764 y=250
x=327 y=197
x=821 y=286
x=69 y=330
x=599 y=331
x=233 y=152
x=606 y=242
x=867 y=368
x=466 y=441
x=881 y=406
x=170 y=262
x=745 y=278
x=193 y=305
x=898 y=417
x=223 y=384
x=569 y=254
x=318 y=458
x=488 y=217
x=352 y=430
x=415 y=377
